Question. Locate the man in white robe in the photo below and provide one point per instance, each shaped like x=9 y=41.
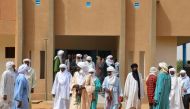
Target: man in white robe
x=74 y=63
x=7 y=86
x=61 y=88
x=175 y=95
x=90 y=62
x=31 y=77
x=134 y=89
x=112 y=88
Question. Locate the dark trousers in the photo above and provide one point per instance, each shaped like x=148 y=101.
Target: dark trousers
x=151 y=105
x=186 y=100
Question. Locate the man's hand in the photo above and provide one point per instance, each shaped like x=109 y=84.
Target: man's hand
x=4 y=97
x=32 y=90
x=19 y=104
x=53 y=95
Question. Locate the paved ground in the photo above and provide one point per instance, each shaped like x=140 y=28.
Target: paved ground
x=48 y=104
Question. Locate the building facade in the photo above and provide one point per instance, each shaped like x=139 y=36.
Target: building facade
x=141 y=31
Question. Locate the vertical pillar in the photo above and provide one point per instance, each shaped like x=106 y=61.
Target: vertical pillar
x=184 y=54
x=19 y=32
x=122 y=44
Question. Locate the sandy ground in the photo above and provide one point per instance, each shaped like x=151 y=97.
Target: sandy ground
x=48 y=104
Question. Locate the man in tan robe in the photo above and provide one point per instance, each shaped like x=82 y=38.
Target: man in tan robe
x=79 y=99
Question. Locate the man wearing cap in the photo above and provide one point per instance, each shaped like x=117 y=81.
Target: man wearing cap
x=90 y=62
x=61 y=88
x=7 y=85
x=79 y=94
x=21 y=89
x=151 y=85
x=185 y=81
x=112 y=88
x=175 y=95
x=57 y=61
x=163 y=87
x=134 y=89
x=109 y=62
x=31 y=77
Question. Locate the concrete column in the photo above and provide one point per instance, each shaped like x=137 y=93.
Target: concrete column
x=19 y=32
x=122 y=44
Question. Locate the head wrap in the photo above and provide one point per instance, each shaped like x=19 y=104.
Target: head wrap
x=23 y=69
x=153 y=70
x=164 y=67
x=26 y=60
x=172 y=70
x=182 y=72
x=91 y=70
x=62 y=66
x=60 y=53
x=89 y=58
x=109 y=61
x=134 y=65
x=9 y=65
x=78 y=55
x=110 y=69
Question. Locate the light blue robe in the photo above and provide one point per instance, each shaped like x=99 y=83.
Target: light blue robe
x=116 y=92
x=21 y=92
x=162 y=92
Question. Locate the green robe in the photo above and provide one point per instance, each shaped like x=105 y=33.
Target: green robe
x=97 y=88
x=56 y=66
x=162 y=92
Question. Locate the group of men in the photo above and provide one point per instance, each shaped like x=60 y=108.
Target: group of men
x=166 y=89
x=17 y=85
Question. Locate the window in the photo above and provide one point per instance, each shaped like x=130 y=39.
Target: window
x=42 y=64
x=9 y=52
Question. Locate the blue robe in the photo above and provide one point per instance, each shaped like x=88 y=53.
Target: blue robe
x=21 y=92
x=162 y=92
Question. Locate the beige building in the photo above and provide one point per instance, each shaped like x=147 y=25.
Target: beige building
x=141 y=31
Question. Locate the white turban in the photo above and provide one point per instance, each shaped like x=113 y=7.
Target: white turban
x=26 y=60
x=163 y=66
x=182 y=72
x=78 y=55
x=172 y=70
x=109 y=56
x=60 y=52
x=153 y=70
x=89 y=58
x=23 y=69
x=62 y=66
x=9 y=65
x=110 y=69
x=91 y=70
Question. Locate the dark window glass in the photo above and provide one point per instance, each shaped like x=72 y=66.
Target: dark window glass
x=9 y=52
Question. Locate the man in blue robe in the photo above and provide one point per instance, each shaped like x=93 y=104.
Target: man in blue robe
x=163 y=87
x=21 y=89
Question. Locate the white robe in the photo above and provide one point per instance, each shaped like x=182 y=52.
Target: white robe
x=7 y=88
x=131 y=91
x=61 y=89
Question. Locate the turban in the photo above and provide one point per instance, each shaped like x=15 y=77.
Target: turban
x=91 y=70
x=60 y=52
x=9 y=65
x=62 y=66
x=172 y=70
x=26 y=60
x=109 y=56
x=79 y=55
x=89 y=58
x=182 y=72
x=23 y=69
x=163 y=66
x=134 y=66
x=153 y=70
x=110 y=69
